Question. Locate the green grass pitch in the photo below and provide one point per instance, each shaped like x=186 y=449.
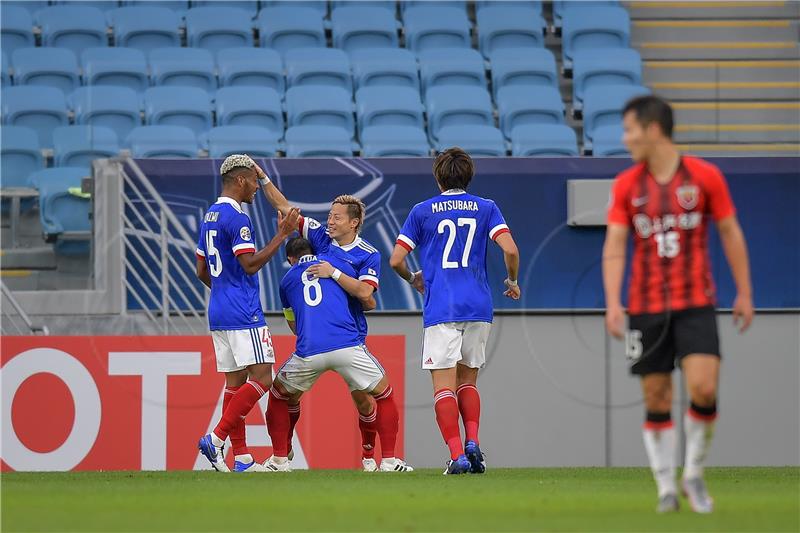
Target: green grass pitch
x=523 y=499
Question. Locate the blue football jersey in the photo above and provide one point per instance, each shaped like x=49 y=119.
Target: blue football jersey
x=321 y=309
x=362 y=256
x=226 y=232
x=452 y=231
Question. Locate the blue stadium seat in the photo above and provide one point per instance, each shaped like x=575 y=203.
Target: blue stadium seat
x=385 y=67
x=116 y=108
x=179 y=7
x=6 y=79
x=504 y=26
x=286 y=27
x=250 y=7
x=250 y=106
x=607 y=141
x=40 y=108
x=318 y=105
x=451 y=66
x=223 y=141
x=543 y=140
x=321 y=6
x=318 y=66
x=16 y=29
x=430 y=26
x=363 y=27
x=460 y=5
x=600 y=67
x=183 y=67
x=603 y=105
x=534 y=67
x=146 y=27
x=519 y=104
x=394 y=141
x=31 y=6
x=388 y=5
x=51 y=67
x=388 y=106
x=215 y=28
x=60 y=211
x=561 y=6
x=536 y=5
x=457 y=106
x=102 y=5
x=252 y=67
x=594 y=27
x=73 y=27
x=318 y=141
x=477 y=141
x=20 y=155
x=178 y=106
x=77 y=146
x=165 y=142
x=121 y=67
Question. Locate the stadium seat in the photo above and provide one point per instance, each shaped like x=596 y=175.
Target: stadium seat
x=178 y=106
x=250 y=106
x=252 y=67
x=60 y=211
x=250 y=7
x=283 y=28
x=40 y=108
x=116 y=108
x=561 y=6
x=504 y=26
x=394 y=141
x=73 y=27
x=536 y=5
x=223 y=141
x=102 y=5
x=607 y=141
x=176 y=6
x=543 y=140
x=16 y=29
x=519 y=104
x=599 y=67
x=215 y=28
x=320 y=106
x=31 y=6
x=603 y=105
x=121 y=67
x=432 y=26
x=594 y=27
x=318 y=141
x=460 y=5
x=183 y=67
x=20 y=155
x=318 y=66
x=388 y=5
x=146 y=27
x=77 y=146
x=6 y=79
x=531 y=67
x=165 y=142
x=477 y=140
x=388 y=106
x=385 y=67
x=457 y=106
x=363 y=27
x=321 y=6
x=451 y=66
x=51 y=67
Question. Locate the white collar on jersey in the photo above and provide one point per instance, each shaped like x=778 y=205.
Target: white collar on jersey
x=231 y=201
x=347 y=247
x=451 y=192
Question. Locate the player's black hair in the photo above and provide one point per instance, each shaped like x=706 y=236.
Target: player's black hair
x=298 y=247
x=649 y=109
x=232 y=174
x=453 y=169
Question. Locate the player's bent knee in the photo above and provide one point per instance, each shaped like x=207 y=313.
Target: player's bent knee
x=704 y=394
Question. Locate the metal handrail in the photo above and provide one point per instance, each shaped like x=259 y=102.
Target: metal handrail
x=33 y=326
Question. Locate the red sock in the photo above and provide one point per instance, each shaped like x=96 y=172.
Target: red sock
x=469 y=403
x=368 y=424
x=238 y=442
x=278 y=423
x=294 y=416
x=240 y=404
x=388 y=422
x=447 y=417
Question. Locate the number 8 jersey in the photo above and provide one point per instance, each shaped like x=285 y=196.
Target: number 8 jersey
x=226 y=232
x=452 y=231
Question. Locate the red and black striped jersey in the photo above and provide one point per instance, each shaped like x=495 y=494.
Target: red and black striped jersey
x=670 y=269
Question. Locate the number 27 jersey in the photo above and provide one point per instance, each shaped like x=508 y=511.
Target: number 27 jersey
x=452 y=231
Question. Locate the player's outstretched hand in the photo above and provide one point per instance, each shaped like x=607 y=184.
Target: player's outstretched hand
x=615 y=321
x=512 y=291
x=323 y=269
x=743 y=312
x=419 y=282
x=288 y=224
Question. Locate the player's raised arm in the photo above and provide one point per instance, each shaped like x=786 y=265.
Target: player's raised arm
x=252 y=262
x=730 y=233
x=359 y=290
x=274 y=196
x=613 y=271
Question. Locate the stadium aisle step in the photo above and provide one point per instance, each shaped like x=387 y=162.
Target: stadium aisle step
x=737 y=121
x=713 y=9
x=744 y=149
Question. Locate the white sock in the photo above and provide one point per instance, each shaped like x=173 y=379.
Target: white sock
x=246 y=458
x=660 y=446
x=218 y=442
x=698 y=440
x=280 y=460
x=387 y=460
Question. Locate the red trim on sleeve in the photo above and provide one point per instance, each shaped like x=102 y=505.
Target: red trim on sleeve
x=300 y=222
x=370 y=282
x=199 y=257
x=404 y=245
x=500 y=232
x=245 y=251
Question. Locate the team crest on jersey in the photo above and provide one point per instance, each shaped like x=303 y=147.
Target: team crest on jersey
x=245 y=233
x=312 y=224
x=688 y=195
x=371 y=272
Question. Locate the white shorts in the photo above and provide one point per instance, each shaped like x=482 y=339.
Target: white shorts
x=358 y=367
x=450 y=343
x=237 y=349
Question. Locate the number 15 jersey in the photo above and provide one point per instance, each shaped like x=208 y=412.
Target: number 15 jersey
x=452 y=231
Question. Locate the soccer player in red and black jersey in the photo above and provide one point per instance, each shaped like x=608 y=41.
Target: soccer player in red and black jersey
x=667 y=201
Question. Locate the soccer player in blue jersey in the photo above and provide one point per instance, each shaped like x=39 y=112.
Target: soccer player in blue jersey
x=227 y=263
x=451 y=232
x=314 y=294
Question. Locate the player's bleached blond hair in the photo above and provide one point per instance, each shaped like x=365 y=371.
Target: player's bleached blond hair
x=236 y=161
x=355 y=208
